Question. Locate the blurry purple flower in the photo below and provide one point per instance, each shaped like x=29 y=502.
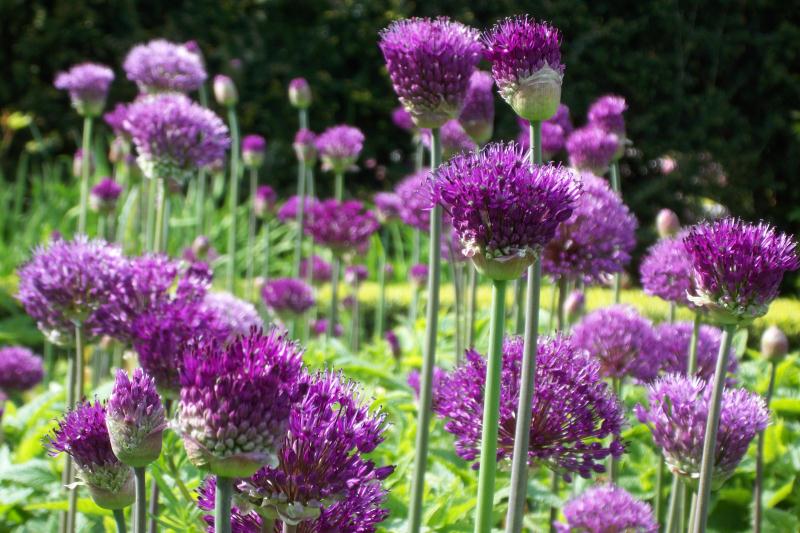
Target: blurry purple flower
x=264 y=201
x=162 y=66
x=234 y=314
x=320 y=327
x=299 y=93
x=103 y=196
x=672 y=345
x=606 y=509
x=344 y=227
x=253 y=148
x=454 y=139
x=388 y=206
x=87 y=84
x=116 y=120
x=320 y=269
x=288 y=211
x=339 y=147
x=355 y=274
x=606 y=113
x=592 y=149
x=305 y=146
x=402 y=119
x=20 y=369
x=415 y=204
x=477 y=115
x=666 y=271
x=414 y=380
x=418 y=274
x=287 y=297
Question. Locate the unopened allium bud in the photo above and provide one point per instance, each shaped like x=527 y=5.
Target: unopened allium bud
x=300 y=93
x=87 y=85
x=201 y=245
x=253 y=147
x=305 y=147
x=225 y=91
x=135 y=419
x=774 y=344
x=264 y=201
x=667 y=223
x=77 y=163
x=103 y=196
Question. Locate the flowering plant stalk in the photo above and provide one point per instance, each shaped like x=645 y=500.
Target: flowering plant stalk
x=380 y=311
x=86 y=146
x=301 y=194
x=233 y=198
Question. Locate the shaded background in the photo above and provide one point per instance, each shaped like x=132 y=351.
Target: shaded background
x=715 y=84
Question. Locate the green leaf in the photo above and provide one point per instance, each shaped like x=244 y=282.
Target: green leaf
x=85 y=506
x=789 y=406
x=781 y=494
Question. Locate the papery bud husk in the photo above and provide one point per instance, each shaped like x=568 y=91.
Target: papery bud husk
x=505 y=268
x=536 y=97
x=774 y=344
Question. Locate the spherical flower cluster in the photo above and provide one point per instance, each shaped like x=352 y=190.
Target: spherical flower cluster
x=621 y=340
x=236 y=400
x=607 y=508
x=737 y=267
x=299 y=93
x=305 y=146
x=83 y=435
x=225 y=91
x=555 y=132
x=162 y=66
x=672 y=346
x=418 y=274
x=20 y=369
x=116 y=119
x=174 y=136
x=87 y=85
x=287 y=297
x=320 y=269
x=503 y=210
x=430 y=63
x=526 y=64
x=666 y=271
x=135 y=419
x=355 y=274
x=606 y=113
x=387 y=206
x=402 y=119
x=253 y=148
x=597 y=240
x=234 y=314
x=413 y=192
x=414 y=378
x=477 y=115
x=264 y=201
x=677 y=416
x=103 y=196
x=573 y=409
x=344 y=227
x=339 y=147
x=592 y=149
x=288 y=211
x=320 y=327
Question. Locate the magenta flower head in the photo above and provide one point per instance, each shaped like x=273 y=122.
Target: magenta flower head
x=174 y=136
x=621 y=340
x=305 y=146
x=503 y=210
x=774 y=344
x=339 y=146
x=264 y=201
x=454 y=139
x=344 y=227
x=573 y=409
x=666 y=271
x=672 y=345
x=320 y=269
x=234 y=314
x=526 y=64
x=116 y=119
x=135 y=419
x=592 y=149
x=430 y=62
x=87 y=85
x=355 y=274
x=388 y=206
x=667 y=223
x=402 y=119
x=320 y=327
x=418 y=274
x=606 y=113
x=288 y=298
x=477 y=115
x=225 y=91
x=604 y=509
x=677 y=415
x=236 y=400
x=555 y=131
x=299 y=93
x=82 y=434
x=414 y=194
x=737 y=267
x=288 y=211
x=20 y=369
x=103 y=196
x=162 y=66
x=596 y=240
x=253 y=148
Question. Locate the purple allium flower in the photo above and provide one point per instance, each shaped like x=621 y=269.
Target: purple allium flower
x=418 y=274
x=737 y=267
x=503 y=210
x=388 y=206
x=597 y=240
x=116 y=120
x=344 y=227
x=666 y=271
x=677 y=416
x=299 y=93
x=774 y=344
x=606 y=113
x=430 y=62
x=321 y=461
x=414 y=378
x=162 y=66
x=174 y=136
x=477 y=115
x=82 y=434
x=320 y=269
x=555 y=131
x=135 y=418
x=236 y=400
x=253 y=148
x=573 y=408
x=621 y=340
x=225 y=91
x=591 y=149
x=672 y=345
x=20 y=369
x=234 y=314
x=305 y=146
x=402 y=119
x=66 y=282
x=667 y=223
x=454 y=139
x=414 y=194
x=355 y=274
x=87 y=85
x=320 y=327
x=606 y=509
x=264 y=201
x=339 y=146
x=103 y=196
x=288 y=211
x=526 y=64
x=287 y=297
x=394 y=343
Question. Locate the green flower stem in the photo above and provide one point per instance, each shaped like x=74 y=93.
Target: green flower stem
x=66 y=475
x=339 y=186
x=314 y=313
x=140 y=513
x=561 y=312
x=287 y=528
x=267 y=525
x=712 y=425
x=266 y=229
x=617 y=187
x=691 y=367
x=334 y=308
x=86 y=160
x=658 y=503
x=758 y=489
x=119 y=519
x=415 y=254
x=159 y=241
x=675 y=506
x=555 y=481
x=200 y=204
x=233 y=197
x=300 y=216
x=472 y=299
x=458 y=304
x=491 y=408
x=151 y=214
x=251 y=233
x=672 y=311
x=72 y=499
x=429 y=351
x=519 y=306
x=222 y=505
x=380 y=311
x=613 y=462
x=354 y=325
x=551 y=321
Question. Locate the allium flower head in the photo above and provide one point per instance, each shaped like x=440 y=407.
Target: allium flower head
x=402 y=119
x=666 y=271
x=236 y=400
x=592 y=149
x=737 y=267
x=672 y=345
x=573 y=409
x=606 y=112
x=264 y=201
x=299 y=93
x=344 y=227
x=82 y=434
x=20 y=369
x=232 y=313
x=320 y=269
x=526 y=64
x=339 y=146
x=116 y=119
x=87 y=84
x=288 y=211
x=387 y=206
x=414 y=378
x=225 y=91
x=503 y=210
x=477 y=115
x=430 y=62
x=621 y=340
x=607 y=509
x=320 y=327
x=596 y=240
x=418 y=274
x=415 y=200
x=253 y=148
x=555 y=131
x=355 y=274
x=454 y=139
x=287 y=297
x=103 y=196
x=174 y=136
x=677 y=416
x=305 y=146
x=162 y=66
x=135 y=419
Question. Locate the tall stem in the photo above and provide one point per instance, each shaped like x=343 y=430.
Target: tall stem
x=555 y=481
x=429 y=353
x=233 y=196
x=758 y=489
x=354 y=325
x=267 y=525
x=691 y=366
x=380 y=311
x=200 y=205
x=415 y=254
x=616 y=186
x=458 y=287
x=86 y=160
x=613 y=461
x=675 y=505
x=140 y=513
x=158 y=232
x=222 y=505
x=267 y=243
x=471 y=302
x=712 y=425
x=288 y=528
x=491 y=408
x=251 y=233
x=119 y=519
x=66 y=475
x=519 y=306
x=300 y=216
x=659 y=499
x=334 y=309
x=338 y=190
